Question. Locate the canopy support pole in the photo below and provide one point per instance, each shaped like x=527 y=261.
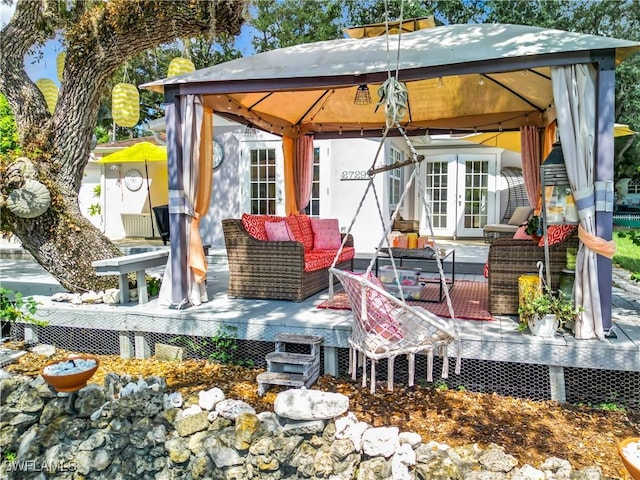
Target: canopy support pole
x=179 y=267
x=604 y=156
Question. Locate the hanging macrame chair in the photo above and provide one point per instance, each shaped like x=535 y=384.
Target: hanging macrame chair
x=385 y=326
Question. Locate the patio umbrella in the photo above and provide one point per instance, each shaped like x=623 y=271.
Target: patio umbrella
x=140 y=152
x=511 y=140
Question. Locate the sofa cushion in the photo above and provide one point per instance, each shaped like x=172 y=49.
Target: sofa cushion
x=254 y=225
x=557 y=234
x=278 y=231
x=326 y=233
x=294 y=226
x=381 y=313
x=319 y=259
x=521 y=234
x=520 y=215
x=306 y=231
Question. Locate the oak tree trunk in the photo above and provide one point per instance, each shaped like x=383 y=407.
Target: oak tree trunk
x=99 y=37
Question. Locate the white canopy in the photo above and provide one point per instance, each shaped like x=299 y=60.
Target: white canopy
x=482 y=77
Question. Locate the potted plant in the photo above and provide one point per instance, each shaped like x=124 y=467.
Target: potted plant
x=544 y=312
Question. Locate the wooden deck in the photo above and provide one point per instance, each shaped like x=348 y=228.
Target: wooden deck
x=136 y=327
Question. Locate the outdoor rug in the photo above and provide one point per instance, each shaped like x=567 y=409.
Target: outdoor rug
x=470 y=301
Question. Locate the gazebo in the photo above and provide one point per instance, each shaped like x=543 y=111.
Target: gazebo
x=459 y=78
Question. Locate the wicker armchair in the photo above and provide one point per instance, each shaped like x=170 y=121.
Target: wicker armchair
x=271 y=270
x=509 y=258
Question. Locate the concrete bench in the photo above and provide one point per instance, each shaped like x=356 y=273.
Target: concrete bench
x=138 y=262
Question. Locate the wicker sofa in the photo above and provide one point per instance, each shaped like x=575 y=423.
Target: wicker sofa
x=276 y=269
x=509 y=258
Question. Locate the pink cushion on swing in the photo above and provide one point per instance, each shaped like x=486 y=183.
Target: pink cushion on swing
x=380 y=310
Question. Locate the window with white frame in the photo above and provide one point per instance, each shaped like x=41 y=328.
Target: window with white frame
x=313 y=208
x=634 y=186
x=263 y=181
x=395 y=178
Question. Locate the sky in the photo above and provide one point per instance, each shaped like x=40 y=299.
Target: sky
x=43 y=63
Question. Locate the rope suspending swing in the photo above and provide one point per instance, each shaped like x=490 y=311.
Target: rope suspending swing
x=386 y=326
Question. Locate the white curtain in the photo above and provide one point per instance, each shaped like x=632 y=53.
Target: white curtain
x=192 y=113
x=575 y=99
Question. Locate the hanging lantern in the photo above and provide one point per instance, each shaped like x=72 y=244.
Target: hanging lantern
x=50 y=92
x=60 y=64
x=125 y=104
x=180 y=66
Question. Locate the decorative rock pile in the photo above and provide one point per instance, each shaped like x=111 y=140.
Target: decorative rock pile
x=108 y=297
x=136 y=429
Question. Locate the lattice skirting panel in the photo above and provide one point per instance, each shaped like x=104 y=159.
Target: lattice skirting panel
x=581 y=385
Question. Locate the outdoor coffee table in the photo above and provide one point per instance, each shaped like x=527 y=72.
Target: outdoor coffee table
x=425 y=255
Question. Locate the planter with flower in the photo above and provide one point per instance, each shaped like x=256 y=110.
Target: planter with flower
x=544 y=312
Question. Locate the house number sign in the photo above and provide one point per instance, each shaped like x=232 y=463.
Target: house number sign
x=354 y=175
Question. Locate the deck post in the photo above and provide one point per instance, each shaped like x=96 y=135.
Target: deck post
x=126 y=347
x=142 y=348
x=330 y=361
x=556 y=383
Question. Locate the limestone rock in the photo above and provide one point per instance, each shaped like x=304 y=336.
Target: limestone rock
x=246 y=426
x=301 y=404
x=225 y=457
x=208 y=399
x=380 y=441
x=496 y=460
x=191 y=424
x=230 y=409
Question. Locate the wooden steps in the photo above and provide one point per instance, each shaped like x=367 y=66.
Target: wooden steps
x=289 y=368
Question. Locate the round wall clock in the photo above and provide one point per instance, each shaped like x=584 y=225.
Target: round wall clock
x=218 y=154
x=133 y=179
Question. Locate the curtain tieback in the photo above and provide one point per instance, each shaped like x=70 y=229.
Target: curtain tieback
x=606 y=248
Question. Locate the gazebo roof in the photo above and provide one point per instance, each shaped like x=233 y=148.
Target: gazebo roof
x=481 y=77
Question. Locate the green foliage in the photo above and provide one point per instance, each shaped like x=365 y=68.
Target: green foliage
x=94 y=209
x=9 y=140
x=535 y=303
x=154 y=282
x=533 y=226
x=10 y=456
x=221 y=348
x=284 y=24
x=97 y=191
x=102 y=134
x=15 y=308
x=627 y=253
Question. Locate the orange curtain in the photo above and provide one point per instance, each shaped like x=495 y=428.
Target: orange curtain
x=197 y=262
x=288 y=149
x=303 y=171
x=549 y=139
x=530 y=152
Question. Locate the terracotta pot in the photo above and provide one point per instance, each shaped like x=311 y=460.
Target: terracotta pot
x=72 y=382
x=633 y=469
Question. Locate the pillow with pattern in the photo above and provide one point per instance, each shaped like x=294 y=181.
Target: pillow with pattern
x=557 y=234
x=278 y=231
x=326 y=234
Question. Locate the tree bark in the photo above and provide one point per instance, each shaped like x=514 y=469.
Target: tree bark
x=99 y=37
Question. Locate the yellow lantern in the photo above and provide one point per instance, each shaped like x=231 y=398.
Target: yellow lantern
x=50 y=92
x=125 y=104
x=60 y=64
x=180 y=66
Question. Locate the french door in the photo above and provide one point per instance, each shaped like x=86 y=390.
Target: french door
x=262 y=171
x=460 y=193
